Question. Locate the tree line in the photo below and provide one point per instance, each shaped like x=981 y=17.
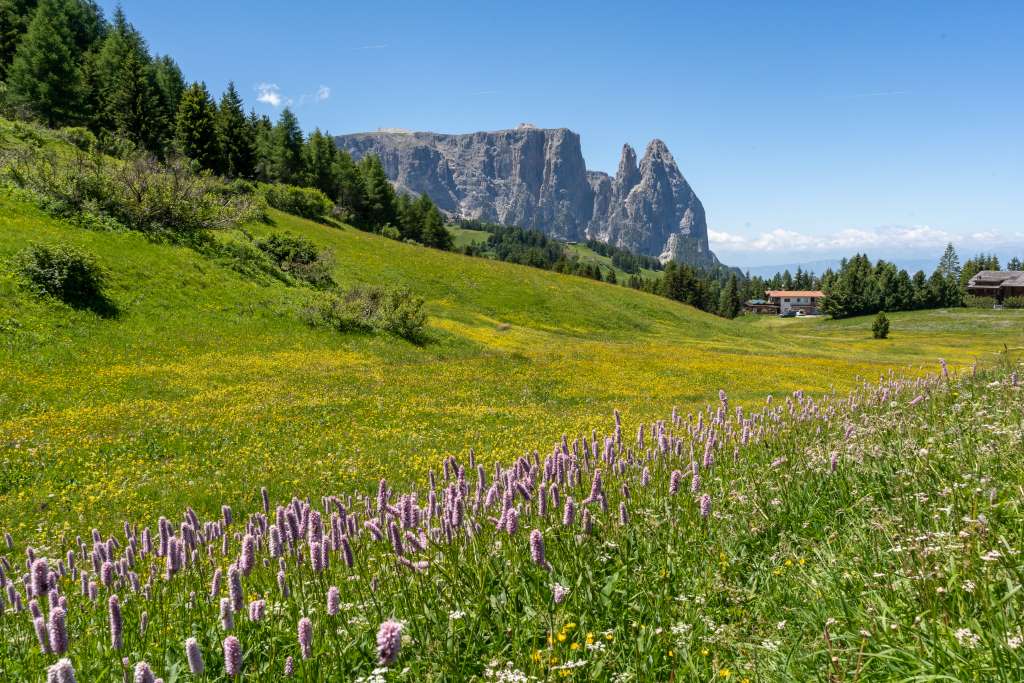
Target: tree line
x=63 y=64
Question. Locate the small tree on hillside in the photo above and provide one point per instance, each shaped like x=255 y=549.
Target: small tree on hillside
x=880 y=328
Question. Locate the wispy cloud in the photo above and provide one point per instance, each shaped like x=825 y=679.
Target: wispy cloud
x=269 y=93
x=323 y=93
x=862 y=95
x=888 y=238
x=380 y=46
x=486 y=92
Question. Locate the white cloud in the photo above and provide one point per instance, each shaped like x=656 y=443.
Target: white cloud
x=269 y=93
x=888 y=238
x=323 y=93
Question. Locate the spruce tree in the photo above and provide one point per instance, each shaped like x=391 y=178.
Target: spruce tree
x=122 y=42
x=1014 y=264
x=236 y=136
x=286 y=149
x=378 y=194
x=196 y=127
x=136 y=107
x=351 y=193
x=45 y=78
x=433 y=231
x=171 y=84
x=729 y=304
x=15 y=16
x=320 y=159
x=263 y=133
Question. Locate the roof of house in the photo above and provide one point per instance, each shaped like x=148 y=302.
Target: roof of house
x=998 y=278
x=813 y=294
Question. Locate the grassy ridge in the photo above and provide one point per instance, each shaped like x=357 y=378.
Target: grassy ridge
x=208 y=384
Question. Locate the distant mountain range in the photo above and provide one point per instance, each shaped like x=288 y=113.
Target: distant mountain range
x=910 y=264
x=537 y=178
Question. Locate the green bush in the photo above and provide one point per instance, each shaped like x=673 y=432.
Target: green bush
x=394 y=310
x=167 y=200
x=391 y=232
x=65 y=273
x=972 y=301
x=1014 y=302
x=299 y=201
x=880 y=327
x=82 y=138
x=300 y=258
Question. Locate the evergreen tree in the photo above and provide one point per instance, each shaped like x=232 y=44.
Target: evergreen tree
x=351 y=194
x=320 y=157
x=235 y=136
x=410 y=217
x=729 y=303
x=921 y=293
x=136 y=107
x=945 y=283
x=121 y=44
x=1014 y=264
x=196 y=127
x=45 y=77
x=787 y=280
x=434 y=232
x=286 y=149
x=171 y=85
x=854 y=291
x=378 y=194
x=15 y=16
x=263 y=133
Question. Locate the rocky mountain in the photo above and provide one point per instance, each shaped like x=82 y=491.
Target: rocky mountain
x=536 y=178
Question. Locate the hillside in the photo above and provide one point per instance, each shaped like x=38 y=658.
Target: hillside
x=212 y=379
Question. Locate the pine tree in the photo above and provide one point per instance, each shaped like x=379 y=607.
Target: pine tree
x=263 y=133
x=235 y=136
x=15 y=16
x=45 y=78
x=320 y=158
x=729 y=304
x=136 y=106
x=171 y=85
x=351 y=194
x=286 y=149
x=378 y=194
x=196 y=127
x=122 y=42
x=1014 y=264
x=948 y=271
x=433 y=232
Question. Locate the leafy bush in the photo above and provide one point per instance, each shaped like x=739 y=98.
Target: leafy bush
x=972 y=301
x=299 y=201
x=168 y=200
x=1014 y=302
x=66 y=273
x=880 y=327
x=391 y=232
x=82 y=138
x=299 y=257
x=394 y=310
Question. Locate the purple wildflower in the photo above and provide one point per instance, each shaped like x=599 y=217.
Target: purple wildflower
x=143 y=674
x=512 y=522
x=58 y=631
x=41 y=634
x=305 y=633
x=346 y=551
x=194 y=656
x=537 y=550
x=257 y=610
x=247 y=560
x=623 y=514
x=333 y=601
x=695 y=482
x=227 y=614
x=116 y=624
x=558 y=593
x=61 y=672
x=289 y=667
x=389 y=641
x=235 y=588
x=674 y=480
x=569 y=513
x=215 y=583
x=232 y=656
x=40 y=577
x=705 y=505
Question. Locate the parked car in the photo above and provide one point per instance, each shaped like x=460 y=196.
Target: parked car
x=788 y=314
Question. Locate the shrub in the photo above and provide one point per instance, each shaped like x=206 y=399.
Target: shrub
x=82 y=138
x=300 y=258
x=168 y=200
x=65 y=273
x=391 y=232
x=299 y=201
x=880 y=328
x=971 y=301
x=1014 y=302
x=394 y=310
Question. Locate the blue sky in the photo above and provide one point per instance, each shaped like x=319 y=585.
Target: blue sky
x=808 y=130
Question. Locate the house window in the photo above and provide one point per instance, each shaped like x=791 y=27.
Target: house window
x=785 y=301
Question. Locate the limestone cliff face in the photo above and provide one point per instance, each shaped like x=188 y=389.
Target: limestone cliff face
x=536 y=178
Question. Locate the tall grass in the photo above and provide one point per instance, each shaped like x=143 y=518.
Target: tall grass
x=869 y=536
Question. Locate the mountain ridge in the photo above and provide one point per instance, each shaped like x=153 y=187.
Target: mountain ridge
x=537 y=178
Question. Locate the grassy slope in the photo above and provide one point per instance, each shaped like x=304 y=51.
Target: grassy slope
x=208 y=386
